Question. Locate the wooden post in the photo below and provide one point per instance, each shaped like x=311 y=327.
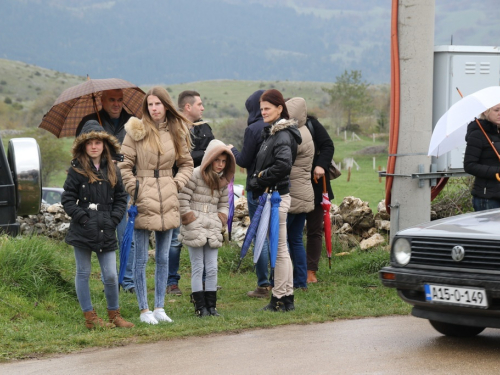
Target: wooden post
x=348 y=174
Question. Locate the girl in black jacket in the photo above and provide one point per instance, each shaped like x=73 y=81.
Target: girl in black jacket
x=481 y=161
x=95 y=199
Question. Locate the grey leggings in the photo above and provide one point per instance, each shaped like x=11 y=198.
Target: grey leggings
x=203 y=256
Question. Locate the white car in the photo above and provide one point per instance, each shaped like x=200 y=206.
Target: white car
x=51 y=195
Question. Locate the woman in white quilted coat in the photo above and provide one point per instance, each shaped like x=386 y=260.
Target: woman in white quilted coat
x=204 y=209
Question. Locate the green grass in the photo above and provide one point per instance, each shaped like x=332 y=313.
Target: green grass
x=40 y=315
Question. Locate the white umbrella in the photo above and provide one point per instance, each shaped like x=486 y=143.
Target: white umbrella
x=262 y=230
x=451 y=128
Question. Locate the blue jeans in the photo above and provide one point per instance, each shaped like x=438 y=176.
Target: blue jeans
x=128 y=278
x=174 y=258
x=163 y=240
x=107 y=261
x=295 y=229
x=481 y=204
x=261 y=268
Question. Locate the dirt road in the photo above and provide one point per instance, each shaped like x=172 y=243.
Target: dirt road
x=389 y=345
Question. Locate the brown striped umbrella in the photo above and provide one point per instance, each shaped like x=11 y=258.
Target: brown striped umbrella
x=81 y=100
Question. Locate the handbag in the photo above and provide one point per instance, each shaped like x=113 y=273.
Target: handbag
x=333 y=171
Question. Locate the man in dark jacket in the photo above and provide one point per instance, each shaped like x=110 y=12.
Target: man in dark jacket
x=245 y=158
x=191 y=106
x=113 y=117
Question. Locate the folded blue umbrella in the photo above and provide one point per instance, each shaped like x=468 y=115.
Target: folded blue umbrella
x=128 y=236
x=252 y=228
x=230 y=215
x=274 y=229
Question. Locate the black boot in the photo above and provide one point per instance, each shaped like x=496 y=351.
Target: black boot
x=276 y=304
x=198 y=299
x=211 y=302
x=289 y=306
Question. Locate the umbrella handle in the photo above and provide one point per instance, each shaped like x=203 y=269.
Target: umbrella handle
x=324 y=184
x=498 y=177
x=136 y=190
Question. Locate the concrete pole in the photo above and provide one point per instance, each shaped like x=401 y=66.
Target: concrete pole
x=410 y=203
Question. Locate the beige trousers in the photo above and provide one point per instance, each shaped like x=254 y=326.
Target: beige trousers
x=283 y=272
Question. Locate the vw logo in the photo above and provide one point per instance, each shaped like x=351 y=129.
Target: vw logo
x=458 y=253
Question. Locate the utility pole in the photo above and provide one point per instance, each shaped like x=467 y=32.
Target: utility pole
x=410 y=203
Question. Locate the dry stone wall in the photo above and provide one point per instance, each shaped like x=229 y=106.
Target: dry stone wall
x=353 y=223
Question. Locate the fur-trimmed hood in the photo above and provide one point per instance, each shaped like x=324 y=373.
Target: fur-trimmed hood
x=214 y=149
x=93 y=130
x=136 y=129
x=291 y=125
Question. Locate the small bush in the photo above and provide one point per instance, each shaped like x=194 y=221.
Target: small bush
x=7 y=100
x=454 y=199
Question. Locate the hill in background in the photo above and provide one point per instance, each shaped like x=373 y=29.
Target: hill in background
x=171 y=41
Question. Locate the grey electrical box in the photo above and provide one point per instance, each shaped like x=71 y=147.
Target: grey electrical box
x=468 y=68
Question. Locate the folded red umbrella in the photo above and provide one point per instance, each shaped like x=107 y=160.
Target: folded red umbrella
x=326 y=204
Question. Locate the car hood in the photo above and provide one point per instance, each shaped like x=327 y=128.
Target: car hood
x=479 y=225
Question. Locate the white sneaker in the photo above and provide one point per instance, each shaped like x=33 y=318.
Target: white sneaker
x=160 y=316
x=148 y=317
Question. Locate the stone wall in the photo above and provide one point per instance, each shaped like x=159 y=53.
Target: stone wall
x=353 y=223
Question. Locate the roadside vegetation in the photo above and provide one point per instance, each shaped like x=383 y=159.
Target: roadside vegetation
x=40 y=314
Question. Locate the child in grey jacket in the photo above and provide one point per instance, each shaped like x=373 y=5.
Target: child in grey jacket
x=204 y=209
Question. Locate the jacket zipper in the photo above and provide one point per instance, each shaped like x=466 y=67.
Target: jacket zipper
x=159 y=192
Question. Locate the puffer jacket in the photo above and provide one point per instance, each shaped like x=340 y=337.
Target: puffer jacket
x=90 y=229
x=157 y=203
x=481 y=161
x=275 y=157
x=301 y=190
x=203 y=213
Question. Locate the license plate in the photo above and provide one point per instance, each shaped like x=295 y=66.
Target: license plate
x=475 y=297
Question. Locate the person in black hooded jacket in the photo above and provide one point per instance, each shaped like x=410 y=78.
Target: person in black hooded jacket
x=95 y=199
x=245 y=158
x=273 y=165
x=480 y=160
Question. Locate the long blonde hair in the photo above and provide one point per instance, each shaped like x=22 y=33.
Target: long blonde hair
x=86 y=164
x=176 y=122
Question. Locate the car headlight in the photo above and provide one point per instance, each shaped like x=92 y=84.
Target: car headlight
x=402 y=251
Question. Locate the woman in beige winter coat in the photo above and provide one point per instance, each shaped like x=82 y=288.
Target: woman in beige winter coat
x=152 y=145
x=301 y=192
x=204 y=209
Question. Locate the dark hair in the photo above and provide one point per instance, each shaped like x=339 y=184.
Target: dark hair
x=186 y=97
x=275 y=97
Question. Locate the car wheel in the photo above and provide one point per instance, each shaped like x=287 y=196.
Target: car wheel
x=456 y=330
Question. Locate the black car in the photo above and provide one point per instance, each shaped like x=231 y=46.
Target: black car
x=449 y=270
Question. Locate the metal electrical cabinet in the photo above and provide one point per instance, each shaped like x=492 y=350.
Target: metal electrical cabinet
x=468 y=68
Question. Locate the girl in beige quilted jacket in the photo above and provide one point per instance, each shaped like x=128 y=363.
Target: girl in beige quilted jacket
x=204 y=209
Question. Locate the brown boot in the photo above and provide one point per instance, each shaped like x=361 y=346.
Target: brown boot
x=259 y=292
x=117 y=320
x=311 y=277
x=93 y=321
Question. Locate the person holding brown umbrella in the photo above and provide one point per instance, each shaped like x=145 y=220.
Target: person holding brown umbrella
x=112 y=116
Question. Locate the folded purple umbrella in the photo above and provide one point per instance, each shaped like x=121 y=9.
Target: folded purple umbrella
x=230 y=215
x=274 y=229
x=252 y=228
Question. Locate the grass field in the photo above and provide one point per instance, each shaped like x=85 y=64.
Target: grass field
x=40 y=314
